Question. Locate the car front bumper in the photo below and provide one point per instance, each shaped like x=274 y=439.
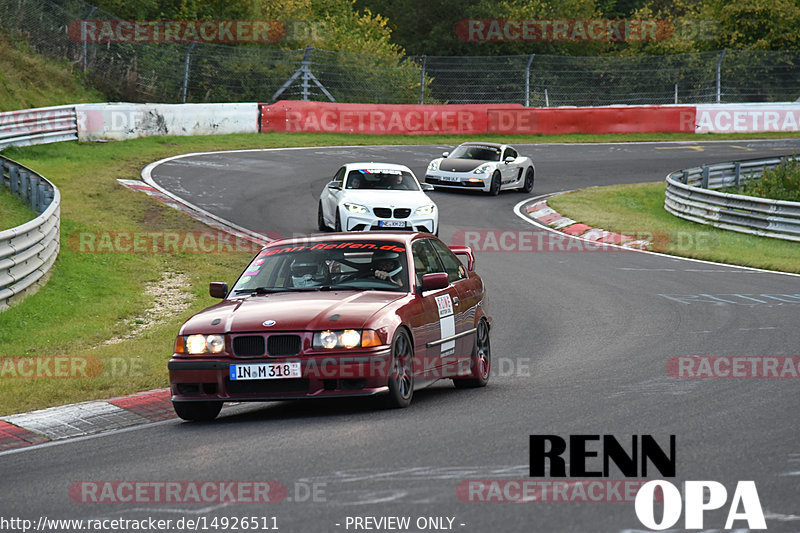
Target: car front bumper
x=351 y=374
x=458 y=180
x=369 y=222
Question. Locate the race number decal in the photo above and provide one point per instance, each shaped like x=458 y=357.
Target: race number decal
x=447 y=322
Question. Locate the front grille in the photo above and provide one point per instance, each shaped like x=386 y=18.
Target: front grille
x=381 y=228
x=248 y=346
x=382 y=212
x=402 y=212
x=282 y=345
x=268 y=386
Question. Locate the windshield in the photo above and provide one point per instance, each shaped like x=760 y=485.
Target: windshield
x=396 y=180
x=474 y=151
x=326 y=265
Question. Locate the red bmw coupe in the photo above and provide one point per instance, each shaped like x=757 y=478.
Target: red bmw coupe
x=354 y=314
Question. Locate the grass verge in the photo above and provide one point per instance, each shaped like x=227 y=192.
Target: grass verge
x=91 y=298
x=640 y=208
x=28 y=79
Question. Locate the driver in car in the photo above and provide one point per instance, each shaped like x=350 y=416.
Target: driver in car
x=387 y=267
x=307 y=272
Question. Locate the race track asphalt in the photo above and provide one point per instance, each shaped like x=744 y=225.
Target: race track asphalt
x=580 y=346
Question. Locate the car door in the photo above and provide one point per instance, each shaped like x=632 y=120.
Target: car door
x=435 y=328
x=465 y=300
x=330 y=197
x=510 y=171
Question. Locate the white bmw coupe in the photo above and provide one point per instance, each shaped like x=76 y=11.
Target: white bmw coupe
x=376 y=196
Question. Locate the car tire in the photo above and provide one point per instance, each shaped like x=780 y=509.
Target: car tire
x=321 y=219
x=481 y=360
x=338 y=226
x=527 y=186
x=494 y=187
x=401 y=374
x=197 y=411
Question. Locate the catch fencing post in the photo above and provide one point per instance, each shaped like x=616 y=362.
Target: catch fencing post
x=528 y=81
x=186 y=72
x=719 y=75
x=83 y=35
x=422 y=81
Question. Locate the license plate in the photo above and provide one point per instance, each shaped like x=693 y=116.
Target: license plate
x=265 y=371
x=450 y=178
x=392 y=224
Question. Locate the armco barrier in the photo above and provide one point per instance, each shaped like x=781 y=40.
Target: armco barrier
x=510 y=119
x=691 y=196
x=28 y=251
x=37 y=126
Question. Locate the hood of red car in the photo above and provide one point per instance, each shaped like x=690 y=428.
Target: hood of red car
x=291 y=311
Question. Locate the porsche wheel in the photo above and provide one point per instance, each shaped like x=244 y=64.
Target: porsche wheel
x=321 y=219
x=528 y=185
x=197 y=411
x=401 y=376
x=481 y=361
x=338 y=226
x=494 y=188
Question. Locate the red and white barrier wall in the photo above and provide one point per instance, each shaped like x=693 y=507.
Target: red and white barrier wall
x=120 y=121
x=327 y=117
x=747 y=118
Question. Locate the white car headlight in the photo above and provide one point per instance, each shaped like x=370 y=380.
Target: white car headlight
x=425 y=210
x=483 y=169
x=355 y=208
x=434 y=165
x=200 y=344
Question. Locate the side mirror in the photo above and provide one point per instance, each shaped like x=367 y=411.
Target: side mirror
x=218 y=289
x=437 y=280
x=509 y=159
x=427 y=187
x=445 y=154
x=334 y=185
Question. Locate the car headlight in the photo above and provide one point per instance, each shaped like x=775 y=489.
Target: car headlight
x=483 y=169
x=424 y=210
x=355 y=208
x=347 y=338
x=434 y=165
x=200 y=344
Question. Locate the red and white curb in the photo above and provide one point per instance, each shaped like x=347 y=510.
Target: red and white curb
x=85 y=418
x=99 y=416
x=195 y=212
x=545 y=215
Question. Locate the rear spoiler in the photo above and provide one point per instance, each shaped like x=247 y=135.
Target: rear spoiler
x=466 y=251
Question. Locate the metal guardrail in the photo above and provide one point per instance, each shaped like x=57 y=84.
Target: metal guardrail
x=28 y=251
x=38 y=126
x=691 y=196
